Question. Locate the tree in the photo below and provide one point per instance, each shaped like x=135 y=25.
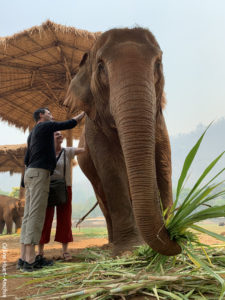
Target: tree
x=15 y=192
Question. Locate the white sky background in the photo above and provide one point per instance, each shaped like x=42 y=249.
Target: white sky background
x=191 y=34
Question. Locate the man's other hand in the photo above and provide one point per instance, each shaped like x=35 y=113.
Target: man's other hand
x=79 y=117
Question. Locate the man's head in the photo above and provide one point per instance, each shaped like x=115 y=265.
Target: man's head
x=42 y=115
x=58 y=137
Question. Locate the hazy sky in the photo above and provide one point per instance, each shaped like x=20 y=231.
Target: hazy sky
x=190 y=33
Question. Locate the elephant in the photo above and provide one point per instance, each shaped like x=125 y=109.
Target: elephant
x=11 y=210
x=120 y=86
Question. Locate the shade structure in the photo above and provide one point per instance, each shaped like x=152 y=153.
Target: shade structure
x=12 y=158
x=36 y=67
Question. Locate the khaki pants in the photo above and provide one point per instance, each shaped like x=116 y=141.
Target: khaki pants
x=37 y=189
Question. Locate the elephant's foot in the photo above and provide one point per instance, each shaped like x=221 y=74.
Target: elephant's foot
x=127 y=246
x=107 y=246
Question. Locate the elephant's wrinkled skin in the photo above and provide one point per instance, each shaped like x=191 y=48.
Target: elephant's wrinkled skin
x=11 y=210
x=120 y=87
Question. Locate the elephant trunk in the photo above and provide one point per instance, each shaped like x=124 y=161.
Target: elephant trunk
x=133 y=105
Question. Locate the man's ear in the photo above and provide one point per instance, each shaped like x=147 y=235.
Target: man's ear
x=79 y=95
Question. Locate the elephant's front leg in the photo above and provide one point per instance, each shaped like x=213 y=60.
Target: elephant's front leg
x=87 y=166
x=2 y=225
x=9 y=224
x=18 y=223
x=163 y=162
x=110 y=166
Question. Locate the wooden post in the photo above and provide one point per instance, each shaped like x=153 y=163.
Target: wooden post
x=22 y=190
x=69 y=143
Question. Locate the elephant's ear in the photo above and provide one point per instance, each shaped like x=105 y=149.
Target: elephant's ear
x=79 y=95
x=163 y=100
x=160 y=95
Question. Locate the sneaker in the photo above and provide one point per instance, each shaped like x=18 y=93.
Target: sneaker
x=44 y=262
x=31 y=267
x=20 y=264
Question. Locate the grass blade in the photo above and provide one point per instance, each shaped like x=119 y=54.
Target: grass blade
x=208 y=232
x=187 y=163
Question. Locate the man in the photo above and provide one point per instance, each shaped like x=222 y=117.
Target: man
x=40 y=162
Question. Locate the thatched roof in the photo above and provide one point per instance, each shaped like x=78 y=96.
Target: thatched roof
x=36 y=67
x=12 y=158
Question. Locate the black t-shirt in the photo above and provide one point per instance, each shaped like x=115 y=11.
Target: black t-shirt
x=41 y=149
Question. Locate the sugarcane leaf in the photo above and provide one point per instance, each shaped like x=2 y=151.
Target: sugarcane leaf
x=208 y=232
x=155 y=293
x=208 y=183
x=208 y=213
x=189 y=293
x=187 y=163
x=187 y=201
x=204 y=266
x=184 y=297
x=170 y=294
x=184 y=211
x=206 y=171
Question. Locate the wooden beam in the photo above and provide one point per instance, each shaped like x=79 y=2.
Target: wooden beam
x=13 y=156
x=63 y=57
x=16 y=107
x=26 y=68
x=26 y=53
x=9 y=57
x=43 y=48
x=48 y=87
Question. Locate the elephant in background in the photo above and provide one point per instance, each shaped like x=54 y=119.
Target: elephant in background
x=11 y=210
x=120 y=86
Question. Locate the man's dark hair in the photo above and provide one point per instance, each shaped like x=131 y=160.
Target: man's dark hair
x=37 y=113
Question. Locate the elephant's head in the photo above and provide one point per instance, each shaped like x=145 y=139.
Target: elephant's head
x=20 y=207
x=121 y=81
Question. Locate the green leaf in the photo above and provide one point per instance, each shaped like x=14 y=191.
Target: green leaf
x=203 y=265
x=208 y=232
x=208 y=269
x=187 y=163
x=169 y=294
x=206 y=171
x=187 y=200
x=184 y=211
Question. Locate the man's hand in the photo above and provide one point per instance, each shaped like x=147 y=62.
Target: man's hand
x=79 y=117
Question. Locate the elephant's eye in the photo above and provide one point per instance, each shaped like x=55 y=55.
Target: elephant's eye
x=158 y=64
x=102 y=73
x=100 y=66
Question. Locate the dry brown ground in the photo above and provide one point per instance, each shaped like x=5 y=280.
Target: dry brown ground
x=53 y=249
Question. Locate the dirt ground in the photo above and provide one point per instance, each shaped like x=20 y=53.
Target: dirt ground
x=52 y=251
